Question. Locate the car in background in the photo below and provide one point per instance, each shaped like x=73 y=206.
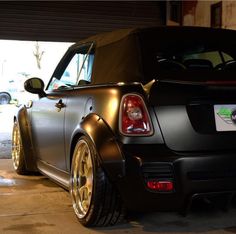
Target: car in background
x=136 y=119
x=12 y=90
x=7 y=90
x=5 y=98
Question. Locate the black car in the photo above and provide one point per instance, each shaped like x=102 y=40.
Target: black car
x=136 y=119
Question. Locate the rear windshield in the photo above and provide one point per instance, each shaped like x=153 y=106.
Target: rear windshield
x=189 y=54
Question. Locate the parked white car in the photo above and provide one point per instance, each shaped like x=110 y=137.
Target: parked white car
x=12 y=90
x=5 y=98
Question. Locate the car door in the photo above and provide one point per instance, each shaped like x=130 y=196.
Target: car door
x=47 y=117
x=48 y=113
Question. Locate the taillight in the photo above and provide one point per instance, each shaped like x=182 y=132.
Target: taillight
x=160 y=186
x=134 y=118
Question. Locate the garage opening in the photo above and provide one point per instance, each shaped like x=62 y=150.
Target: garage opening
x=56 y=21
x=19 y=61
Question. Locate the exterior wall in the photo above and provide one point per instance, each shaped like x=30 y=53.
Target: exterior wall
x=198 y=13
x=229 y=14
x=189 y=11
x=203 y=13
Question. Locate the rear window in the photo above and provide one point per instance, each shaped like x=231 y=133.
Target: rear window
x=176 y=53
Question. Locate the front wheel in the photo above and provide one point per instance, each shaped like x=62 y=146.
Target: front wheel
x=95 y=200
x=17 y=151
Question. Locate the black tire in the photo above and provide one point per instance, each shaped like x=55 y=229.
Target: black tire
x=96 y=201
x=5 y=98
x=18 y=157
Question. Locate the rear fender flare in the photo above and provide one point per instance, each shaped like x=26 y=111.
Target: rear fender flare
x=107 y=147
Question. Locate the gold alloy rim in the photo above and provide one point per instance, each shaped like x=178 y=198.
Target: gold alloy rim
x=82 y=179
x=16 y=146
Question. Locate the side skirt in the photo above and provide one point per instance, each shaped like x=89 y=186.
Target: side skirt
x=58 y=176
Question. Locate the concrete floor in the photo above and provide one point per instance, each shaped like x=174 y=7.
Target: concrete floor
x=33 y=204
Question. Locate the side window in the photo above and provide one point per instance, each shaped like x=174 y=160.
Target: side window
x=213 y=57
x=207 y=58
x=227 y=57
x=77 y=72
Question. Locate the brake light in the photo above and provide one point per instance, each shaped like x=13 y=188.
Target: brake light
x=160 y=186
x=134 y=118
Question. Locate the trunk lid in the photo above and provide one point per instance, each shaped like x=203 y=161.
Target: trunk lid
x=196 y=116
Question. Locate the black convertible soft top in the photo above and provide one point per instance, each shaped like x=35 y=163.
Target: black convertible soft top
x=164 y=32
x=127 y=54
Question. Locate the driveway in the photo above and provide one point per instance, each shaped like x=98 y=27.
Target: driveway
x=6 y=121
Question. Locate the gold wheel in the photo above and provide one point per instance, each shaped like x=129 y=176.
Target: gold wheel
x=16 y=146
x=81 y=188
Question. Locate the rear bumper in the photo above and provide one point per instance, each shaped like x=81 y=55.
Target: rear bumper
x=193 y=176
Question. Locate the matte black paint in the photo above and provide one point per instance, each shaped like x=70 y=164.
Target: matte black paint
x=106 y=144
x=202 y=160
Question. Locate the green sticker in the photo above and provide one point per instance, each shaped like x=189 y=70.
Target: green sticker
x=225 y=112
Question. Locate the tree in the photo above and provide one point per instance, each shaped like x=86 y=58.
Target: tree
x=38 y=55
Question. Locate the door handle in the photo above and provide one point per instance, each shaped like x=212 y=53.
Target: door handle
x=60 y=104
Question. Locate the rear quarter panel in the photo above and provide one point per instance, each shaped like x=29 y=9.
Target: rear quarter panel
x=104 y=101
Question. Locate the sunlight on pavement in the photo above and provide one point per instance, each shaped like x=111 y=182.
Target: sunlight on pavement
x=6 y=124
x=6 y=118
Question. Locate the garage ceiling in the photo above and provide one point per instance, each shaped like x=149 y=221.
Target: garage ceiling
x=74 y=20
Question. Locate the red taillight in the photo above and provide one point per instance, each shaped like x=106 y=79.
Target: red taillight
x=160 y=186
x=134 y=118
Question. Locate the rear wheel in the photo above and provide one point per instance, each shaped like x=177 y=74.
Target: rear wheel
x=17 y=151
x=5 y=98
x=95 y=200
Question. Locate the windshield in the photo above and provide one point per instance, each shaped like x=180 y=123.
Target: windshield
x=179 y=53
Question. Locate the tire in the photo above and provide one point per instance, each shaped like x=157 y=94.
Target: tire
x=18 y=157
x=5 y=98
x=95 y=200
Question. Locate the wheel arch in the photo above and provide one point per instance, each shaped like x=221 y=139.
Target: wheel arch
x=25 y=132
x=109 y=153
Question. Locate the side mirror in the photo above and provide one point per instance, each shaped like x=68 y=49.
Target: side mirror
x=36 y=86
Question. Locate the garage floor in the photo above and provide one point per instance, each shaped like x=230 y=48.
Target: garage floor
x=33 y=204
